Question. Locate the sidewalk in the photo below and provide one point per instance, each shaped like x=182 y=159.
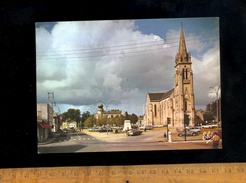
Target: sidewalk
x=49 y=140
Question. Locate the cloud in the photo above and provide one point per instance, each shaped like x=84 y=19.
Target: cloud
x=85 y=61
x=206 y=73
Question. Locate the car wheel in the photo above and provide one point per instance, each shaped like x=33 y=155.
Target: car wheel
x=193 y=134
x=180 y=135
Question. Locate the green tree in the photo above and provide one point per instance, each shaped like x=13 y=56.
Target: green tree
x=134 y=118
x=111 y=120
x=208 y=116
x=211 y=108
x=89 y=122
x=71 y=114
x=119 y=120
x=101 y=121
x=85 y=115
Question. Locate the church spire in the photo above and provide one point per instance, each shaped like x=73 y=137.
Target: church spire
x=182 y=46
x=182 y=56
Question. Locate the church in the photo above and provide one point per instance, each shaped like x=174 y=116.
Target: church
x=175 y=107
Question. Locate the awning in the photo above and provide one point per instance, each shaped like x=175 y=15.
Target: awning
x=44 y=125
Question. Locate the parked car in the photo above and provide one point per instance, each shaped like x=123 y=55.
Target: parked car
x=134 y=132
x=158 y=126
x=210 y=126
x=94 y=129
x=194 y=129
x=206 y=126
x=63 y=133
x=147 y=127
x=141 y=127
x=71 y=130
x=188 y=133
x=105 y=130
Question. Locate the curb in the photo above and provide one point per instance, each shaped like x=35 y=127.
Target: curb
x=48 y=141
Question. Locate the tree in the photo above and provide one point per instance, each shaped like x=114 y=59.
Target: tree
x=134 y=118
x=85 y=115
x=101 y=121
x=208 y=116
x=71 y=114
x=211 y=108
x=89 y=121
x=119 y=120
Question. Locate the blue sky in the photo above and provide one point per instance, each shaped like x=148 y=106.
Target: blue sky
x=85 y=61
x=205 y=27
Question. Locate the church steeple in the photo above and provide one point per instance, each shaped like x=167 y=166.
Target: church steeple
x=182 y=46
x=182 y=56
x=183 y=84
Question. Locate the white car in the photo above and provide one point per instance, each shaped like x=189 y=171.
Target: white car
x=147 y=127
x=210 y=126
x=195 y=129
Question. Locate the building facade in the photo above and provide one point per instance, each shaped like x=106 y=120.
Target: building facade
x=111 y=113
x=44 y=120
x=180 y=100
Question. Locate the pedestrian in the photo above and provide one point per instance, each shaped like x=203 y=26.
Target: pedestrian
x=215 y=139
x=204 y=136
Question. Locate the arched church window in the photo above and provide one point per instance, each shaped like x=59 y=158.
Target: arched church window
x=185 y=73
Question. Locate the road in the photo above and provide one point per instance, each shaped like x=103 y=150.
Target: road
x=102 y=142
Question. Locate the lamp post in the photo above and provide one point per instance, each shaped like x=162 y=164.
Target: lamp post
x=216 y=91
x=106 y=110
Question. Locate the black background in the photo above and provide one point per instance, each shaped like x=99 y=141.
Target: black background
x=18 y=78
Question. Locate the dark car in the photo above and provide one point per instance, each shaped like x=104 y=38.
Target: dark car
x=134 y=132
x=63 y=133
x=105 y=130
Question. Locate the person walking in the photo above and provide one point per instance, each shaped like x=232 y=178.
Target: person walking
x=215 y=139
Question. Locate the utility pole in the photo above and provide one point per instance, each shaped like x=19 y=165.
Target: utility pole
x=52 y=103
x=216 y=91
x=168 y=122
x=186 y=122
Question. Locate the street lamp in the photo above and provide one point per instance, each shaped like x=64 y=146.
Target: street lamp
x=216 y=91
x=106 y=110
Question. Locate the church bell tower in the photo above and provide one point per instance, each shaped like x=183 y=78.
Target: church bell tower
x=184 y=102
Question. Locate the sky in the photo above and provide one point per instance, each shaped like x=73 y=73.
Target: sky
x=81 y=62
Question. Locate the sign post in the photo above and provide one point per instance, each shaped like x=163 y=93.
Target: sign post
x=186 y=122
x=168 y=122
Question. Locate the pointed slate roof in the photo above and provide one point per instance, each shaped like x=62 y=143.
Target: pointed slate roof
x=158 y=96
x=155 y=97
x=167 y=94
